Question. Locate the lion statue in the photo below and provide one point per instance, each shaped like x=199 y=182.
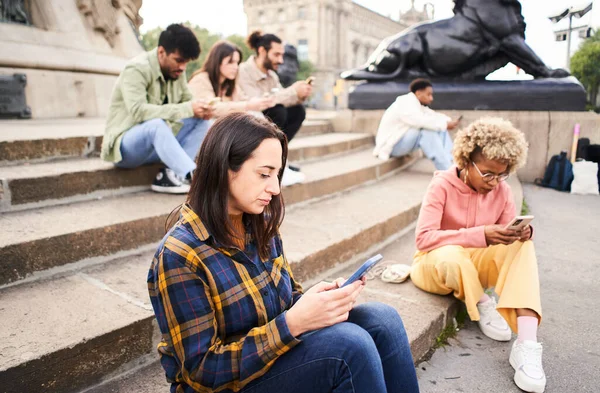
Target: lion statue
x=481 y=37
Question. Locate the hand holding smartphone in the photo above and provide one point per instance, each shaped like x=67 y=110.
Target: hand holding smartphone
x=519 y=222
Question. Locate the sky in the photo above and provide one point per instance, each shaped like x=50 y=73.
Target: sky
x=228 y=17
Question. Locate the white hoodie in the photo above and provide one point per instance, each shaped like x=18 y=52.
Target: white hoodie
x=405 y=113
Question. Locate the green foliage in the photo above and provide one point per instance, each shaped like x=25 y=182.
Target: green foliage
x=305 y=69
x=585 y=65
x=206 y=39
x=241 y=43
x=451 y=329
x=524 y=208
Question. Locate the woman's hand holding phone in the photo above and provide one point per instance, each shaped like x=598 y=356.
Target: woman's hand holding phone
x=325 y=304
x=498 y=234
x=525 y=233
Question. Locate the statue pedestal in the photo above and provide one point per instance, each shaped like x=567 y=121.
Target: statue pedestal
x=564 y=94
x=71 y=55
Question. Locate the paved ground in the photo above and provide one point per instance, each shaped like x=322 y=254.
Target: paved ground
x=567 y=229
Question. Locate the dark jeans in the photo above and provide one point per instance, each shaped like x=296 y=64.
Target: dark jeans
x=287 y=119
x=369 y=353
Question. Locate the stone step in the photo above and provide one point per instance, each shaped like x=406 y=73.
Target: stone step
x=319 y=146
x=66 y=333
x=314 y=127
x=33 y=185
x=44 y=139
x=424 y=316
x=107 y=225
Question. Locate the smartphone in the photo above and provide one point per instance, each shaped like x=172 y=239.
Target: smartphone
x=310 y=80
x=368 y=265
x=214 y=100
x=519 y=222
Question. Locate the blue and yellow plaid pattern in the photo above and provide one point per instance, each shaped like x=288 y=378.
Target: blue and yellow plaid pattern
x=221 y=311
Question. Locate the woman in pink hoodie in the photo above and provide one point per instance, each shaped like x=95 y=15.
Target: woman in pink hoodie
x=464 y=248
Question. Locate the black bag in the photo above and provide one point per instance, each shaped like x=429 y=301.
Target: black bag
x=593 y=153
x=559 y=173
x=582 y=146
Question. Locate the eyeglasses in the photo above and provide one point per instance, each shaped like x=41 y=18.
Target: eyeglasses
x=488 y=177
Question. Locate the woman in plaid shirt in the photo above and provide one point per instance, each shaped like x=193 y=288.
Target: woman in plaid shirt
x=231 y=314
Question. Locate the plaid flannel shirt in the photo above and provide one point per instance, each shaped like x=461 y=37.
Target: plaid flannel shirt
x=221 y=311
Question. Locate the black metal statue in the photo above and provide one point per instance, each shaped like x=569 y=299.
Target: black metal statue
x=288 y=71
x=481 y=37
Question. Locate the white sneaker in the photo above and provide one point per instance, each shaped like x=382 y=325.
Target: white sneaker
x=526 y=359
x=166 y=181
x=491 y=322
x=292 y=177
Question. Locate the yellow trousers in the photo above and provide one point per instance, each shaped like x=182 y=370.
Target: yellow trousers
x=511 y=269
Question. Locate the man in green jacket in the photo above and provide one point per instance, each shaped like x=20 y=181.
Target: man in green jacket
x=152 y=115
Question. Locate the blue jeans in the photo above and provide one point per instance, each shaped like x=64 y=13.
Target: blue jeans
x=436 y=145
x=153 y=141
x=369 y=353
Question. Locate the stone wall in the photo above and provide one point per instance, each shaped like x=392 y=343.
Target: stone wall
x=72 y=53
x=548 y=133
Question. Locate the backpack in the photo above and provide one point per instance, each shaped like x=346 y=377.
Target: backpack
x=559 y=173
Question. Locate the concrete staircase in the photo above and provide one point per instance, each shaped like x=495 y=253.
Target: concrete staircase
x=78 y=236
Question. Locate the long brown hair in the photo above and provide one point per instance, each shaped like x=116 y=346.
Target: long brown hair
x=212 y=66
x=231 y=141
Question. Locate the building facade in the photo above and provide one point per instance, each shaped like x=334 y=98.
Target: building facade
x=334 y=35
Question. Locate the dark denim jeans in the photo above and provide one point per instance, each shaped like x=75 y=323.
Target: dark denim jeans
x=369 y=353
x=289 y=119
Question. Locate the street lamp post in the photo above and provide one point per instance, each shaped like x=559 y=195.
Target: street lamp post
x=571 y=12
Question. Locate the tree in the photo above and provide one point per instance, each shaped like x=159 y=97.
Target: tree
x=305 y=69
x=585 y=66
x=206 y=39
x=241 y=43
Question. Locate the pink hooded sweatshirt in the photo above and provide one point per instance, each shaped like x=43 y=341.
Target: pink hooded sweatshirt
x=453 y=214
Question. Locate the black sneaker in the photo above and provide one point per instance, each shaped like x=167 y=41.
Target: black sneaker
x=166 y=181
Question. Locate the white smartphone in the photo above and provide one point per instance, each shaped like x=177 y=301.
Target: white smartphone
x=519 y=222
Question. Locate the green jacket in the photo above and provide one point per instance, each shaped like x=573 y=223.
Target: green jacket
x=138 y=96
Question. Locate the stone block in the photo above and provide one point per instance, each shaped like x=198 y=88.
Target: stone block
x=561 y=130
x=64 y=94
x=546 y=132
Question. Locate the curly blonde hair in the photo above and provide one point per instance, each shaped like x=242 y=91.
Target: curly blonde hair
x=496 y=138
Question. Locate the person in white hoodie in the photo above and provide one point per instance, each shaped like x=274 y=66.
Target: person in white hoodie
x=409 y=124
